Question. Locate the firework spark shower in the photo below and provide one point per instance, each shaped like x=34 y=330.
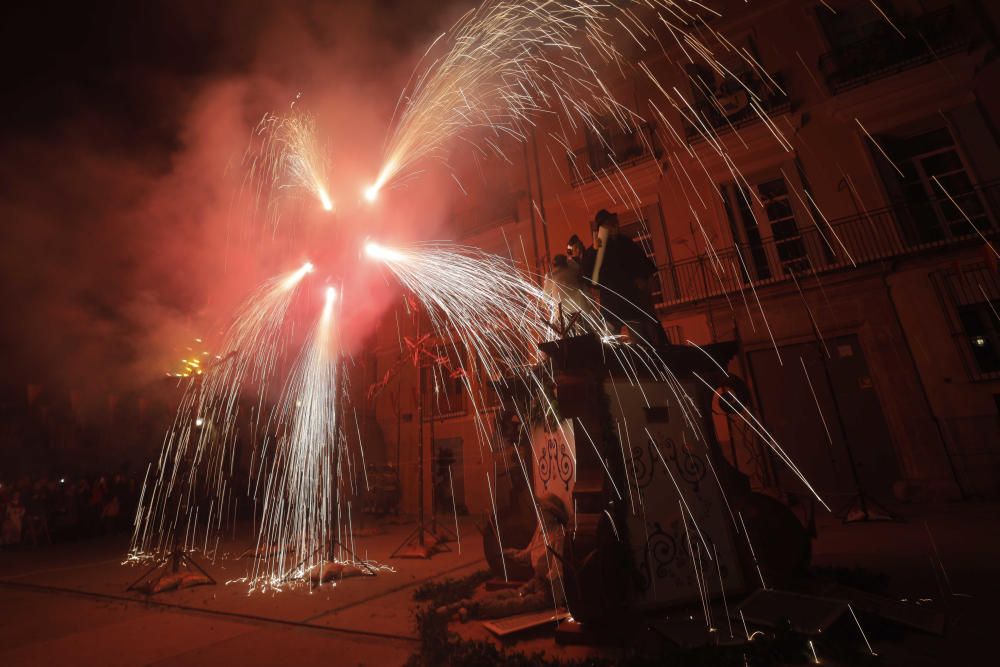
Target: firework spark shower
x=484 y=82
x=679 y=316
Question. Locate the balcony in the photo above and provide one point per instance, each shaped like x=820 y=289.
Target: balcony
x=895 y=231
x=883 y=52
x=733 y=111
x=614 y=150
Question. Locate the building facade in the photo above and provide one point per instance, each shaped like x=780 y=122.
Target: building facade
x=834 y=212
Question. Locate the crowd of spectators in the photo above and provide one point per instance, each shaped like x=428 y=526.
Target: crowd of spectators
x=45 y=509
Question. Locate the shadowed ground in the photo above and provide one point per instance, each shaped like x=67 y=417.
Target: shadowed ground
x=67 y=603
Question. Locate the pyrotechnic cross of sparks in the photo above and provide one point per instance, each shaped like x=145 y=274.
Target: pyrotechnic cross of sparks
x=503 y=65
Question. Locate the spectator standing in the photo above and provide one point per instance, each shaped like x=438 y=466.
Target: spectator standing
x=565 y=288
x=13 y=521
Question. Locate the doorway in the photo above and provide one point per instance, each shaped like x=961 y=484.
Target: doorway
x=447 y=455
x=816 y=406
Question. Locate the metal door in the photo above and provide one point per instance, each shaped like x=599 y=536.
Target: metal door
x=821 y=401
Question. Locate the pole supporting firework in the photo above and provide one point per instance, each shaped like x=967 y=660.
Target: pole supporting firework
x=416 y=544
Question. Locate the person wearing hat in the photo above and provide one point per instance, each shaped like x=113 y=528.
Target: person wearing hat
x=621 y=271
x=544 y=554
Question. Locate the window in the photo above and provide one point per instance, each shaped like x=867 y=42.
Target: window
x=723 y=100
x=847 y=27
x=616 y=145
x=746 y=233
x=787 y=240
x=865 y=46
x=770 y=203
x=492 y=208
x=979 y=323
x=612 y=147
x=971 y=300
x=939 y=199
x=484 y=196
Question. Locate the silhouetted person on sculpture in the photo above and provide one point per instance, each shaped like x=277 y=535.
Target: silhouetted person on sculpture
x=566 y=289
x=621 y=271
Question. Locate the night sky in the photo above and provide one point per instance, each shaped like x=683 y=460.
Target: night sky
x=121 y=128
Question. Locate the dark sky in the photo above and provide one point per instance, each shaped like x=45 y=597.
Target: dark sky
x=118 y=61
x=125 y=60
x=120 y=129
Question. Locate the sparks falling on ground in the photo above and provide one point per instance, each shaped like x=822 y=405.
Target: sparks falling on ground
x=302 y=473
x=302 y=490
x=196 y=464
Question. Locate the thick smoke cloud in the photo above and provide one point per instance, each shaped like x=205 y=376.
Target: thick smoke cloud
x=122 y=237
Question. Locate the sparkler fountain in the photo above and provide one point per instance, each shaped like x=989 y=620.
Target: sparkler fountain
x=285 y=159
x=198 y=453
x=505 y=63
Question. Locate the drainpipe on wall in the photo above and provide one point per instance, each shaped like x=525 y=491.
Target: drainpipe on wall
x=531 y=207
x=541 y=200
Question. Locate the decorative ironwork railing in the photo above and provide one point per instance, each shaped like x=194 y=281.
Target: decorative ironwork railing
x=901 y=229
x=884 y=52
x=614 y=150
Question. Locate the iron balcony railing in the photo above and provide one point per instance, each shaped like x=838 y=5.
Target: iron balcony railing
x=901 y=229
x=737 y=109
x=883 y=52
x=614 y=150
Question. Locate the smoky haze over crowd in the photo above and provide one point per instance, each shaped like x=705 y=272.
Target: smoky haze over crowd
x=124 y=131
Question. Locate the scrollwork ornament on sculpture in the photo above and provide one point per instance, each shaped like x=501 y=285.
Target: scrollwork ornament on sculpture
x=554 y=462
x=658 y=556
x=690 y=466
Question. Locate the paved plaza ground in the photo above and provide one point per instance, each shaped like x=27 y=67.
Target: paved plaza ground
x=67 y=604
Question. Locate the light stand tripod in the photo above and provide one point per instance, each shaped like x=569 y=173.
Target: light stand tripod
x=179 y=556
x=330 y=557
x=167 y=574
x=441 y=533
